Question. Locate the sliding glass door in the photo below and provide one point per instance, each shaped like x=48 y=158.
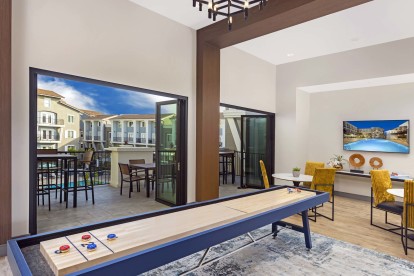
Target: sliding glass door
x=170 y=152
x=256 y=145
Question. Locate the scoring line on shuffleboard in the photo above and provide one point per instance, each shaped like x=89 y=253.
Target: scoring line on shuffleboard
x=76 y=248
x=101 y=242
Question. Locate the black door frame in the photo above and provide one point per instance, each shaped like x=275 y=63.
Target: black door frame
x=33 y=74
x=270 y=142
x=181 y=153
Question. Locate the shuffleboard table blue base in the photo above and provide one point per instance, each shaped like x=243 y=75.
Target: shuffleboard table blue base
x=154 y=257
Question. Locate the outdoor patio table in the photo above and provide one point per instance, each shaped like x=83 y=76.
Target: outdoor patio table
x=146 y=167
x=65 y=158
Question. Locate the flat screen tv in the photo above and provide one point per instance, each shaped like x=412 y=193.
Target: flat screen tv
x=377 y=136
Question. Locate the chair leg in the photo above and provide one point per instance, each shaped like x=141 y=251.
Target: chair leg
x=93 y=192
x=130 y=188
x=48 y=196
x=85 y=183
x=122 y=181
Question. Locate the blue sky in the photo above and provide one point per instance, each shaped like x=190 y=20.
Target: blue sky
x=105 y=99
x=386 y=124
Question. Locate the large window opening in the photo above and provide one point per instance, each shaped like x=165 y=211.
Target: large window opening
x=101 y=151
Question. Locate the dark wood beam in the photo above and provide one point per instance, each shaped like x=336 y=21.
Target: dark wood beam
x=277 y=15
x=207 y=119
x=5 y=122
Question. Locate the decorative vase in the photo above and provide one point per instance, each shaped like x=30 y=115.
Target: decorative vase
x=295 y=173
x=338 y=167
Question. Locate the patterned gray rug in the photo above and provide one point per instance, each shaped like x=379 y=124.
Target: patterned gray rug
x=287 y=255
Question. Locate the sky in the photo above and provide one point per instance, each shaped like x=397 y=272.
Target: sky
x=385 y=124
x=105 y=99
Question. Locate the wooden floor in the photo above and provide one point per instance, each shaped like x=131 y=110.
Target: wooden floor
x=352 y=224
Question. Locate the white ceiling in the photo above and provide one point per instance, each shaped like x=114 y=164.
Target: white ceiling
x=372 y=23
x=330 y=87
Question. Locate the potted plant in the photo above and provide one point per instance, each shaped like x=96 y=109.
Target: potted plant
x=337 y=162
x=296 y=172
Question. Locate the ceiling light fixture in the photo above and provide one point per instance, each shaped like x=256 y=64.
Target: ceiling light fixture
x=228 y=8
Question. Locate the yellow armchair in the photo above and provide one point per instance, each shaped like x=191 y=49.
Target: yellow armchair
x=310 y=170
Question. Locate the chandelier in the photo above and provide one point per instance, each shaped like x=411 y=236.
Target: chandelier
x=228 y=8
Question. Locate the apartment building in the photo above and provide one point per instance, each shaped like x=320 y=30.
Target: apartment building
x=97 y=131
x=133 y=129
x=58 y=123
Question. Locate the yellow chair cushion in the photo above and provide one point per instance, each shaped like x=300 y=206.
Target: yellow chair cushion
x=324 y=176
x=408 y=199
x=381 y=181
x=310 y=170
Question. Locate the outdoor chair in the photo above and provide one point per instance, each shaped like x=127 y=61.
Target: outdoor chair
x=407 y=219
x=127 y=175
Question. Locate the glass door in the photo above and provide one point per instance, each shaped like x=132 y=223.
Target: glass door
x=170 y=153
x=256 y=145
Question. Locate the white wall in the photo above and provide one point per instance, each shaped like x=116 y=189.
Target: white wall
x=382 y=60
x=329 y=109
x=247 y=81
x=109 y=40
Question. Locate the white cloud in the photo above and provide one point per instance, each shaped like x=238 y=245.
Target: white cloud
x=72 y=95
x=141 y=100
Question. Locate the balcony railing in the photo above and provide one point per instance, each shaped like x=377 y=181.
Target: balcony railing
x=151 y=141
x=100 y=166
x=117 y=139
x=48 y=137
x=130 y=139
x=88 y=137
x=141 y=140
x=98 y=138
x=49 y=121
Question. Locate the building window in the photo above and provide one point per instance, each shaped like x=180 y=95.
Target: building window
x=70 y=147
x=71 y=119
x=46 y=102
x=99 y=123
x=142 y=124
x=71 y=134
x=130 y=124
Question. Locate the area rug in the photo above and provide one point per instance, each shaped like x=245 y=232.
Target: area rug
x=287 y=255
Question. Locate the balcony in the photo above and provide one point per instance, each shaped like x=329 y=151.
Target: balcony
x=141 y=140
x=48 y=138
x=117 y=139
x=49 y=121
x=88 y=138
x=97 y=138
x=151 y=141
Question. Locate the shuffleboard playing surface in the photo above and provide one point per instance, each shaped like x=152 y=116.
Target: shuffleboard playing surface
x=146 y=233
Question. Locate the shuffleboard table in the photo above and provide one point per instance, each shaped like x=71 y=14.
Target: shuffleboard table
x=136 y=244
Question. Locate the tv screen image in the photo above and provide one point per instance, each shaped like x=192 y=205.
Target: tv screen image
x=377 y=136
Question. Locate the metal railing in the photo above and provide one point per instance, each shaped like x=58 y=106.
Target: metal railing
x=141 y=140
x=100 y=165
x=88 y=137
x=49 y=121
x=151 y=141
x=53 y=137
x=117 y=139
x=97 y=137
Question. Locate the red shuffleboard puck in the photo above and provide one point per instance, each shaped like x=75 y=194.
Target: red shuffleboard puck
x=86 y=238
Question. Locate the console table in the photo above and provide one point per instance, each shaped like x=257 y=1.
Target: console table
x=367 y=175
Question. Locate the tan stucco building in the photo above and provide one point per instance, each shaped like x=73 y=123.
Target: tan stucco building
x=58 y=123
